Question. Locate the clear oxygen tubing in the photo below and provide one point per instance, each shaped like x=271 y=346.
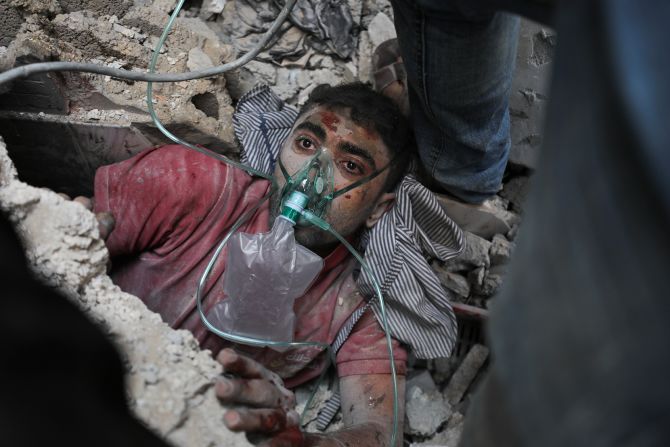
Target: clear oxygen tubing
x=322 y=224
x=315 y=220
x=250 y=340
x=44 y=67
x=152 y=67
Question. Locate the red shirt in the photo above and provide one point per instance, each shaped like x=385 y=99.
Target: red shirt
x=172 y=207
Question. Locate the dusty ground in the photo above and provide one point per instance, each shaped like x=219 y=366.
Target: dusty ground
x=85 y=121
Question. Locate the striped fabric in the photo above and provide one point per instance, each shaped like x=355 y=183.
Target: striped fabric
x=332 y=405
x=418 y=308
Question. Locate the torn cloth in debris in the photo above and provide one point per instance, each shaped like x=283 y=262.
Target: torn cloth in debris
x=323 y=25
x=418 y=308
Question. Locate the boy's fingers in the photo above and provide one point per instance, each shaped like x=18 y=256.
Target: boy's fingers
x=86 y=201
x=255 y=392
x=106 y=223
x=242 y=366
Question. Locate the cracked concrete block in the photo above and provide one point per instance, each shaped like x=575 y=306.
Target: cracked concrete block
x=501 y=250
x=449 y=437
x=466 y=373
x=425 y=411
x=475 y=254
x=453 y=281
x=169 y=379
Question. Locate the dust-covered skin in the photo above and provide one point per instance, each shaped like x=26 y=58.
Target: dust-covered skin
x=264 y=408
x=356 y=152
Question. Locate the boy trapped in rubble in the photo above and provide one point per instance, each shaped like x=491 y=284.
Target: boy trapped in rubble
x=172 y=206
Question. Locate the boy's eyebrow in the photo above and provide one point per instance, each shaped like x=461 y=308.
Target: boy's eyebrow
x=358 y=151
x=314 y=128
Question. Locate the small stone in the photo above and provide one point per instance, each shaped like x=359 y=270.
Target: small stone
x=475 y=253
x=466 y=373
x=198 y=60
x=454 y=282
x=491 y=281
x=447 y=438
x=425 y=412
x=212 y=7
x=501 y=250
x=476 y=278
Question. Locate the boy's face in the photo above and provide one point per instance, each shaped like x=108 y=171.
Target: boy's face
x=356 y=153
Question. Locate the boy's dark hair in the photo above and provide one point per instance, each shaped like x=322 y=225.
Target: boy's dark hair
x=372 y=110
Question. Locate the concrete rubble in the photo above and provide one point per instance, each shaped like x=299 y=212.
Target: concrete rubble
x=169 y=379
x=95 y=120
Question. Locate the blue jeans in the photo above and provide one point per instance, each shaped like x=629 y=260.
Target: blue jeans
x=459 y=69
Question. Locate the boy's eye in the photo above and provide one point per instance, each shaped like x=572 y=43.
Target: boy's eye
x=352 y=168
x=305 y=143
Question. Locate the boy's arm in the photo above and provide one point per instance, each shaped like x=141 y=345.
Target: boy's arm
x=264 y=408
x=367 y=411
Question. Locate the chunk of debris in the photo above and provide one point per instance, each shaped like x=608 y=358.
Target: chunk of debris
x=169 y=379
x=501 y=250
x=454 y=282
x=425 y=412
x=465 y=374
x=449 y=437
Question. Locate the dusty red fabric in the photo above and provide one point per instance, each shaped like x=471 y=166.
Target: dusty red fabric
x=172 y=207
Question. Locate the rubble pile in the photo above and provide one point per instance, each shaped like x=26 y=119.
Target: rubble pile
x=169 y=379
x=59 y=127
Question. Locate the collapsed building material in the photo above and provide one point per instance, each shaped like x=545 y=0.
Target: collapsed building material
x=465 y=374
x=169 y=379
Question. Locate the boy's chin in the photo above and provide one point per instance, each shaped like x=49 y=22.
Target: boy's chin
x=313 y=237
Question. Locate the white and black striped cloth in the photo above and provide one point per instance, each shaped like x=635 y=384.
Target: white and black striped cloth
x=418 y=308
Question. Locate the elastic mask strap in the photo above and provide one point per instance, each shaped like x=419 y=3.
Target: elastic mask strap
x=284 y=172
x=364 y=180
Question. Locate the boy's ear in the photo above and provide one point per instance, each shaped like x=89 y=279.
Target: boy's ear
x=384 y=203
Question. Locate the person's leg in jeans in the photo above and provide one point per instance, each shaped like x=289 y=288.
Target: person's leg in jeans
x=459 y=69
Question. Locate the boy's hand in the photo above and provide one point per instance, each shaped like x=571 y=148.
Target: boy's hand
x=263 y=407
x=105 y=220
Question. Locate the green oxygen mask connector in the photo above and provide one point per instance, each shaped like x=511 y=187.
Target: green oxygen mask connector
x=311 y=188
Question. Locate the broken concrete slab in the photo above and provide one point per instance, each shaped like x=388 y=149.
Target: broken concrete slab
x=475 y=254
x=465 y=374
x=169 y=379
x=64 y=154
x=449 y=437
x=501 y=250
x=454 y=282
x=425 y=412
x=490 y=283
x=84 y=35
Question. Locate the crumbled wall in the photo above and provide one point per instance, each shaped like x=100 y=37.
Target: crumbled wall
x=122 y=34
x=169 y=379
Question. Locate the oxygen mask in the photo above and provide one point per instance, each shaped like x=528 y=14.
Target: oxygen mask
x=311 y=188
